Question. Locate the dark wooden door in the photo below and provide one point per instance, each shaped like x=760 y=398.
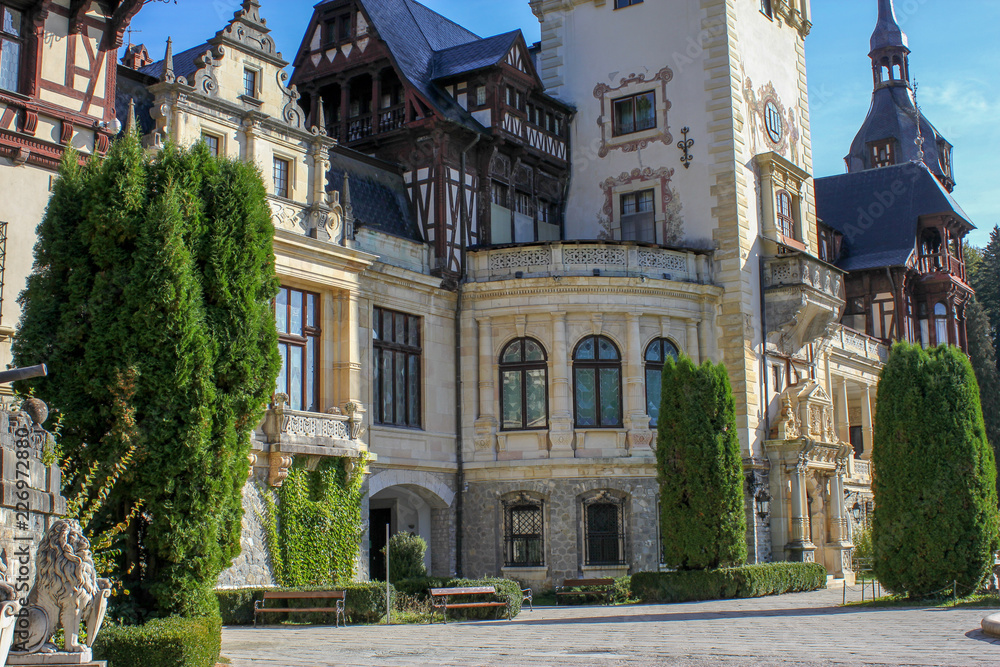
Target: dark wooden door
x=378 y=519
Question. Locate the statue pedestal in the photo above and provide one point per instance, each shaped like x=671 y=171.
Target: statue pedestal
x=59 y=658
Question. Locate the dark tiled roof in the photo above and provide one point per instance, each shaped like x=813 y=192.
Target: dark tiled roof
x=892 y=115
x=878 y=211
x=472 y=56
x=378 y=195
x=413 y=33
x=184 y=64
x=131 y=86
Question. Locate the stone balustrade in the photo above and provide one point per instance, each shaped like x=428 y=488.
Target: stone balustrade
x=595 y=258
x=862 y=469
x=803 y=270
x=860 y=344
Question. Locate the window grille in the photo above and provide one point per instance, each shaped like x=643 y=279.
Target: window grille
x=523 y=532
x=604 y=517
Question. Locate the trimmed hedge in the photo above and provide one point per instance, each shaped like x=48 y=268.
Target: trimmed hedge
x=162 y=642
x=748 y=581
x=507 y=589
x=365 y=603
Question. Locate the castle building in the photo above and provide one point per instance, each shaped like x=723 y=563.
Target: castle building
x=487 y=250
x=57 y=90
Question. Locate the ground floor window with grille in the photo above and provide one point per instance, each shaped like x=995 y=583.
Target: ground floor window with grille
x=523 y=532
x=604 y=523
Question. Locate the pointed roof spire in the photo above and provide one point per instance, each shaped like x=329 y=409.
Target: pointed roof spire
x=130 y=122
x=345 y=202
x=320 y=121
x=887 y=33
x=168 y=63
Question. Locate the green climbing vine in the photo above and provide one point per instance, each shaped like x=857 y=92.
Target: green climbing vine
x=313 y=523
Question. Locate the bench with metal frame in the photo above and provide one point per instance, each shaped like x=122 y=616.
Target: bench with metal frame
x=440 y=600
x=339 y=596
x=599 y=587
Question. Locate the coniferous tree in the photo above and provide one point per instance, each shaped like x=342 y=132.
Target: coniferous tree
x=702 y=517
x=935 y=518
x=984 y=363
x=162 y=269
x=984 y=275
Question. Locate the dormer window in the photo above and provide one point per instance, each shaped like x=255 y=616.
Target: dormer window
x=944 y=157
x=338 y=29
x=250 y=83
x=883 y=153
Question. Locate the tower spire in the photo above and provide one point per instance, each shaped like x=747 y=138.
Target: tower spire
x=887 y=31
x=168 y=63
x=890 y=49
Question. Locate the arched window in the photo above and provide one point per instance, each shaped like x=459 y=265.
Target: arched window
x=523 y=376
x=604 y=529
x=941 y=323
x=786 y=224
x=523 y=532
x=656 y=356
x=597 y=383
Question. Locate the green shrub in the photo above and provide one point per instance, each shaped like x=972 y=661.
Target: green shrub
x=364 y=603
x=935 y=519
x=863 y=542
x=406 y=557
x=622 y=592
x=700 y=468
x=748 y=581
x=507 y=589
x=162 y=642
x=419 y=587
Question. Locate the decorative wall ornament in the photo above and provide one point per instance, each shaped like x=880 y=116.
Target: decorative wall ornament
x=769 y=119
x=205 y=81
x=606 y=255
x=672 y=230
x=603 y=91
x=518 y=258
x=685 y=146
x=291 y=113
x=278 y=468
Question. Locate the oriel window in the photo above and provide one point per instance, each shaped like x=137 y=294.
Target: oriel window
x=635 y=113
x=11 y=47
x=397 y=372
x=296 y=314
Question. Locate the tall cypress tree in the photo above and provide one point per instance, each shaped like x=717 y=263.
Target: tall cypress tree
x=935 y=516
x=984 y=363
x=702 y=516
x=162 y=269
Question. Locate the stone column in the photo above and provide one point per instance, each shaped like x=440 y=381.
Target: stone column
x=801 y=548
x=866 y=420
x=486 y=424
x=561 y=417
x=353 y=317
x=636 y=419
x=694 y=350
x=767 y=200
x=839 y=542
x=843 y=413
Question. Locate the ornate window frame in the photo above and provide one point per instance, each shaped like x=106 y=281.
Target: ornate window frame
x=612 y=503
x=634 y=84
x=778 y=175
x=634 y=181
x=522 y=368
x=597 y=364
x=523 y=502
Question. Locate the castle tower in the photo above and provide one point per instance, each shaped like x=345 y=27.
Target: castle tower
x=896 y=131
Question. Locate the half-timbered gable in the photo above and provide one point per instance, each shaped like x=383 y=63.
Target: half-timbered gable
x=57 y=89
x=398 y=81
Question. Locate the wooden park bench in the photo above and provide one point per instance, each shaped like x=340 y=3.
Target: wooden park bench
x=601 y=587
x=340 y=597
x=440 y=599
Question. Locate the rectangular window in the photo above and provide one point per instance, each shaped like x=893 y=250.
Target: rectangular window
x=635 y=113
x=346 y=28
x=605 y=535
x=397 y=386
x=626 y=3
x=765 y=8
x=296 y=314
x=637 y=216
x=212 y=142
x=250 y=83
x=281 y=168
x=11 y=42
x=480 y=96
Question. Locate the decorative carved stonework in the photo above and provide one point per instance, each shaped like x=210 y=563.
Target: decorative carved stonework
x=279 y=465
x=673 y=230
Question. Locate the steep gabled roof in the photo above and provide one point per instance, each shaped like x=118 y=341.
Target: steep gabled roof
x=878 y=212
x=473 y=55
x=377 y=193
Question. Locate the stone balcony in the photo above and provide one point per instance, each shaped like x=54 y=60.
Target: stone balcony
x=588 y=258
x=802 y=297
x=860 y=345
x=287 y=433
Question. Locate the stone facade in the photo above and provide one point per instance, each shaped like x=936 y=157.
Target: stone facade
x=252 y=568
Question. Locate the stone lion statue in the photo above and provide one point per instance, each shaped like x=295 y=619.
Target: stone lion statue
x=67 y=592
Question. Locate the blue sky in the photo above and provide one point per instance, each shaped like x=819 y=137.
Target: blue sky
x=953 y=62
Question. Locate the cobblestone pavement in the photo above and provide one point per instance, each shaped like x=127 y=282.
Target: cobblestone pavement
x=800 y=629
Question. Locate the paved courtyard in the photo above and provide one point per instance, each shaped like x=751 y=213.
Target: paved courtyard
x=800 y=629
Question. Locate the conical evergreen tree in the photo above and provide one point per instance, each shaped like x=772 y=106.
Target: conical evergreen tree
x=985 y=279
x=161 y=270
x=984 y=363
x=702 y=516
x=935 y=516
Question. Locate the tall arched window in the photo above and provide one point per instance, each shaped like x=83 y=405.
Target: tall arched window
x=656 y=356
x=597 y=383
x=523 y=376
x=786 y=224
x=941 y=323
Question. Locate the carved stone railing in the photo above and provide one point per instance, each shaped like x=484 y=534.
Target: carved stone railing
x=853 y=342
x=803 y=270
x=862 y=469
x=289 y=433
x=596 y=258
x=802 y=297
